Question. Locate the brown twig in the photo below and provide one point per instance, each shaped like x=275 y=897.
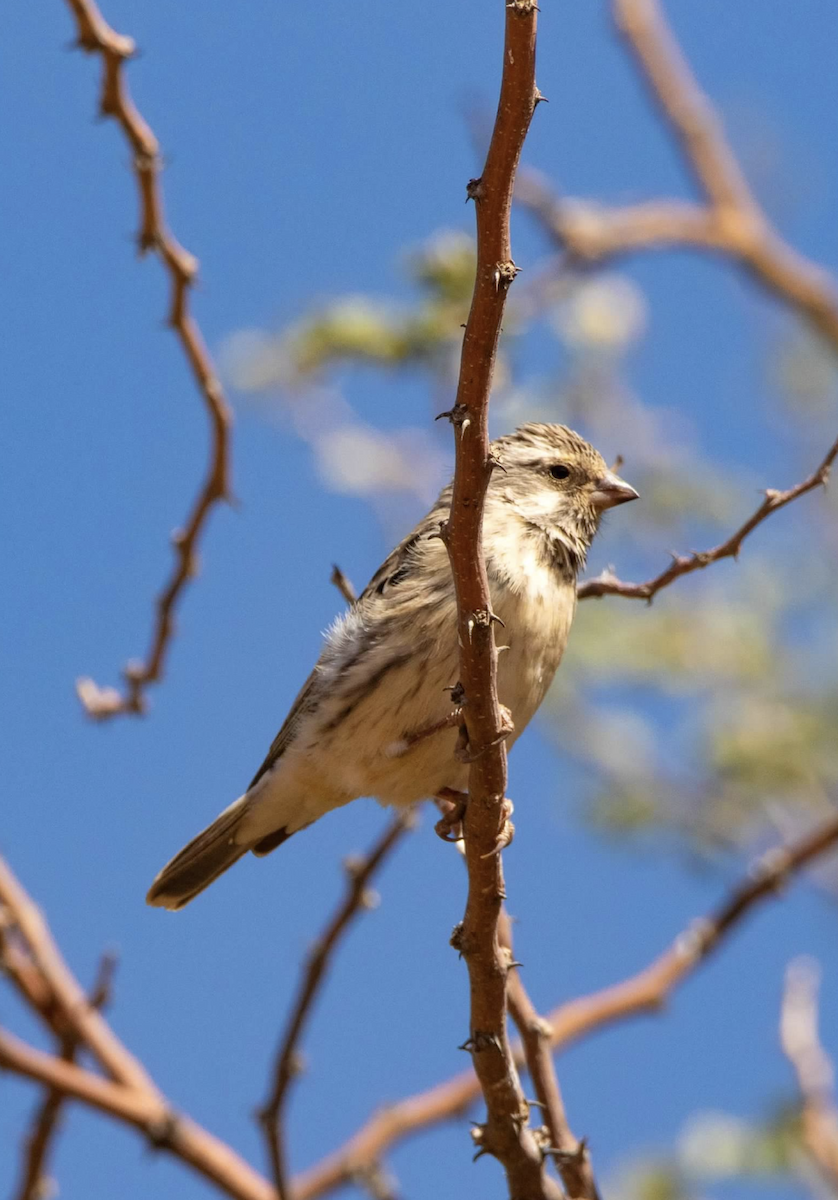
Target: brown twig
x=730 y=220
x=645 y=992
x=288 y=1064
x=815 y=1073
x=607 y=584
x=35 y=1183
x=505 y=1133
x=95 y=36
x=570 y=1155
x=27 y=951
x=343 y=585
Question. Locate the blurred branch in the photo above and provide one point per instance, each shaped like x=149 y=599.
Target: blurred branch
x=35 y=1184
x=607 y=584
x=570 y=1155
x=288 y=1064
x=730 y=221
x=645 y=992
x=95 y=36
x=505 y=1134
x=343 y=585
x=30 y=959
x=815 y=1073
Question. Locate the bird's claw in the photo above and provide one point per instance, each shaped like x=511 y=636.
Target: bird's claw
x=507 y=830
x=452 y=805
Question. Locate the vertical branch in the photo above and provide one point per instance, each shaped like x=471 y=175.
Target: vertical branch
x=505 y=1134
x=570 y=1154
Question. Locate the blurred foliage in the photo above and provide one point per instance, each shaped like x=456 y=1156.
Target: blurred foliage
x=716 y=1148
x=708 y=717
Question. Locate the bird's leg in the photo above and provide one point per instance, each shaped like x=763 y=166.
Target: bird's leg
x=452 y=805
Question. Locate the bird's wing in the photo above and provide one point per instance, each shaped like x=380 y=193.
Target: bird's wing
x=397 y=567
x=304 y=703
x=394 y=570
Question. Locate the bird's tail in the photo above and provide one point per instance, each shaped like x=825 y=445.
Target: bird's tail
x=201 y=861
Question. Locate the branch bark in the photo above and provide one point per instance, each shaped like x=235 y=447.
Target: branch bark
x=607 y=584
x=505 y=1133
x=95 y=36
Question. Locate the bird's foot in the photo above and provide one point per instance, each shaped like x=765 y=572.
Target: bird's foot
x=452 y=805
x=507 y=830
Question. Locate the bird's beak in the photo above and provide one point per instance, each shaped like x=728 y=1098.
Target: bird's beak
x=611 y=490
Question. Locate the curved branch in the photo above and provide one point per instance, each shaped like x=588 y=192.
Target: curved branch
x=730 y=220
x=645 y=992
x=95 y=36
x=608 y=584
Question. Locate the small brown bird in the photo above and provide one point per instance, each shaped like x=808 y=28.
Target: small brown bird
x=362 y=724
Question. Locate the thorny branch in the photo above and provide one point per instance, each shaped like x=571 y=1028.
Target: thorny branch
x=288 y=1065
x=95 y=36
x=729 y=220
x=570 y=1155
x=505 y=1134
x=647 y=991
x=608 y=584
x=815 y=1073
x=32 y=963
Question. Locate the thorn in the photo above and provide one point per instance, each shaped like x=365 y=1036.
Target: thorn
x=458 y=415
x=474 y=190
x=504 y=273
x=539 y=98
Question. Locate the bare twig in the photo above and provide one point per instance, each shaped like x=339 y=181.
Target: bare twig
x=815 y=1073
x=360 y=872
x=505 y=1133
x=570 y=1155
x=730 y=220
x=343 y=585
x=35 y=1183
x=95 y=36
x=607 y=584
x=645 y=992
x=27 y=952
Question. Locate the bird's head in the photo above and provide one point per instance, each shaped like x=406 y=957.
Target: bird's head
x=556 y=481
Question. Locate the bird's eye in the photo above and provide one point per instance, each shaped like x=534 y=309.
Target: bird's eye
x=559 y=471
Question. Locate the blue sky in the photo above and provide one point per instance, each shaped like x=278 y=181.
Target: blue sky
x=306 y=148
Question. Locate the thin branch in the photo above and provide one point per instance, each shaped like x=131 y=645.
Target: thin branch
x=343 y=585
x=67 y=1005
x=35 y=1183
x=645 y=992
x=505 y=1133
x=814 y=1070
x=607 y=584
x=288 y=1063
x=570 y=1155
x=95 y=36
x=129 y=1095
x=730 y=221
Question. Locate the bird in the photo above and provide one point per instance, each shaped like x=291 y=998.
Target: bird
x=374 y=717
